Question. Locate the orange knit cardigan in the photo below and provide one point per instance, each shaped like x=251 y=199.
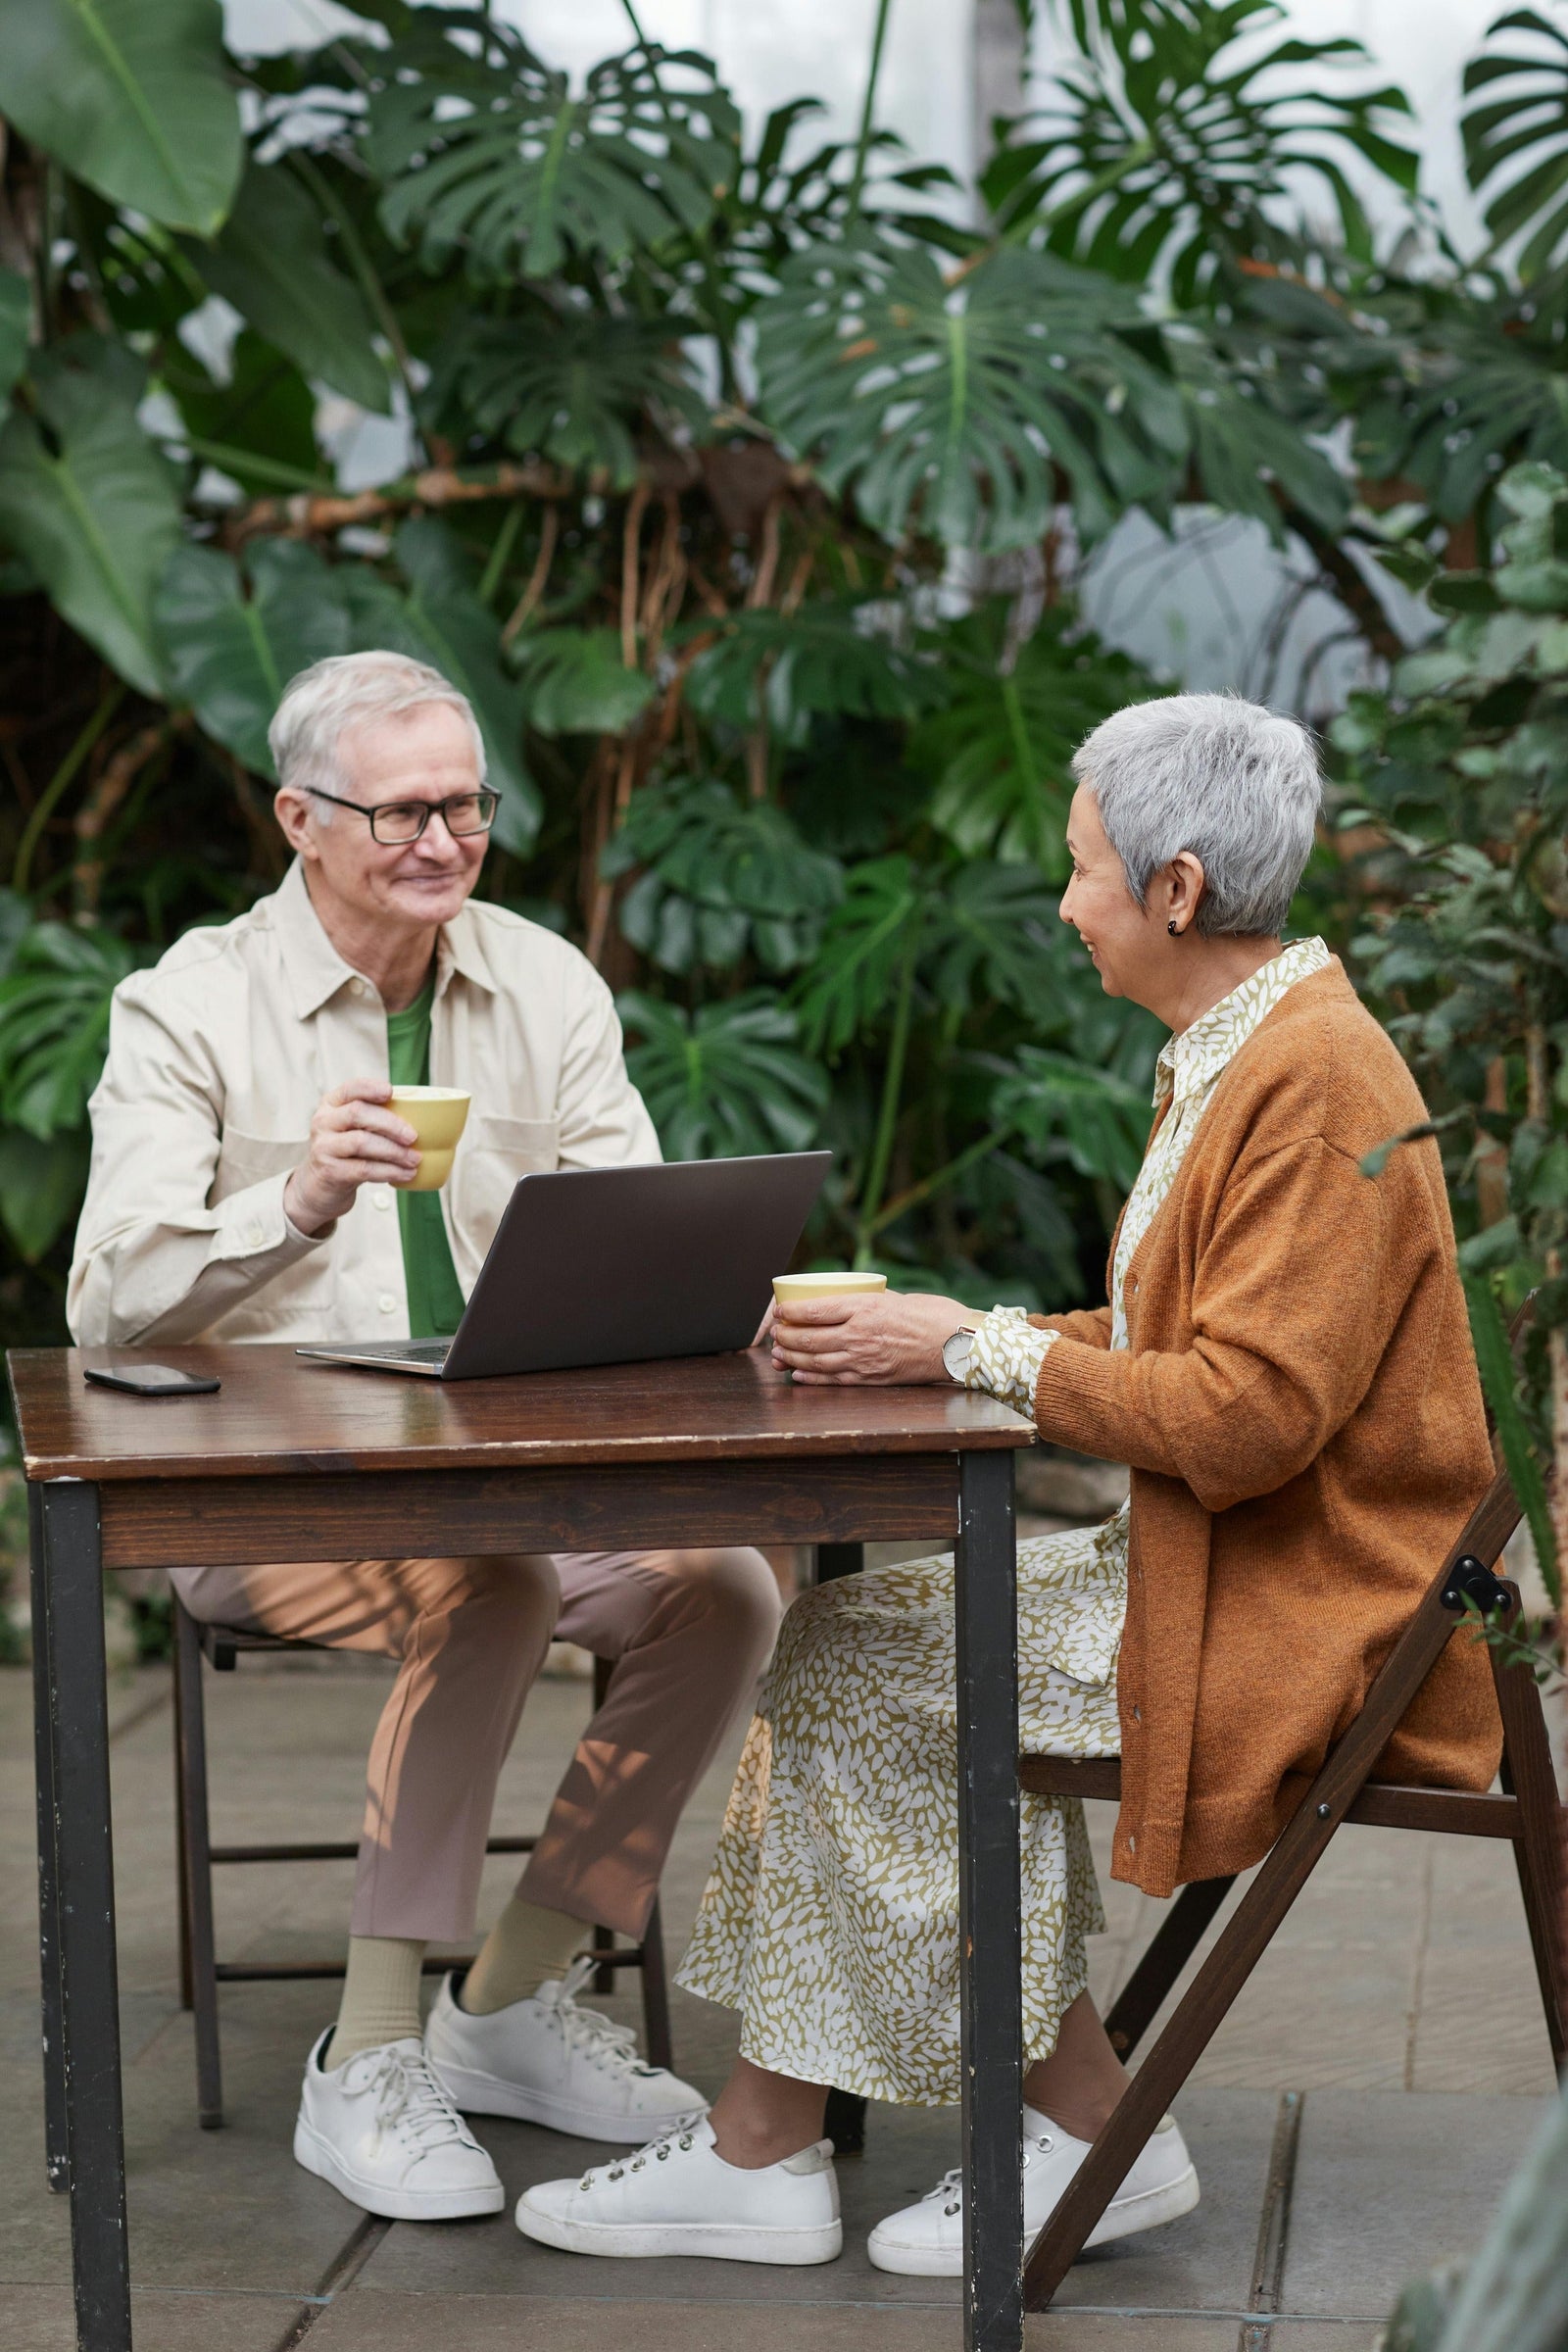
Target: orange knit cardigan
x=1299 y=1405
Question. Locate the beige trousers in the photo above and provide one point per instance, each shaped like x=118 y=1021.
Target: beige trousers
x=690 y=1632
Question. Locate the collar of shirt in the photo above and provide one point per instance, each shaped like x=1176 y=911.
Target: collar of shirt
x=316 y=971
x=1190 y=1063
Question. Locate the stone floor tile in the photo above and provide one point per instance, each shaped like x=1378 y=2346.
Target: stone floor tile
x=41 y=2319
x=1385 y=2187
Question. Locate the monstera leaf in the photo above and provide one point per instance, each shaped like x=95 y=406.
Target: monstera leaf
x=1068 y=1108
x=1174 y=126
x=1520 y=138
x=869 y=940
x=484 y=148
x=233 y=638
x=132 y=97
x=945 y=408
x=726 y=1081
x=991 y=939
x=572 y=389
x=818 y=661
x=272 y=263
x=576 y=683
x=720 y=874
x=260 y=425
x=999 y=751
x=40 y=1188
x=91 y=504
x=54 y=1024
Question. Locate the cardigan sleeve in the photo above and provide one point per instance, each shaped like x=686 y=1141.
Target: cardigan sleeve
x=1090 y=1326
x=1290 y=1312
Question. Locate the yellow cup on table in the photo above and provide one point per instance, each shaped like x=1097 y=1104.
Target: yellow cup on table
x=438 y=1115
x=787 y=1288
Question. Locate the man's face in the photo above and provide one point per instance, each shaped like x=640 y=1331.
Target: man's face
x=426 y=755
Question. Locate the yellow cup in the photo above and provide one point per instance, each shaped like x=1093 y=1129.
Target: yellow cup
x=438 y=1115
x=789 y=1287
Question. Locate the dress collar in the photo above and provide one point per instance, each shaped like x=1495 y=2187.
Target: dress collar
x=316 y=972
x=1190 y=1062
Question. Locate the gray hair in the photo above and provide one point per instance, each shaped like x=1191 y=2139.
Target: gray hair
x=350 y=690
x=1235 y=784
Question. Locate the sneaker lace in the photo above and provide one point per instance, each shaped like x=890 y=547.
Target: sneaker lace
x=409 y=2100
x=589 y=2032
x=951 y=2185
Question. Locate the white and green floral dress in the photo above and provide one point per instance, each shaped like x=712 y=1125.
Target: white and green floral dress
x=831 y=1918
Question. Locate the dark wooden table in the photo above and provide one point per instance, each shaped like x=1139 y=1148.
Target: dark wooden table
x=302 y=1462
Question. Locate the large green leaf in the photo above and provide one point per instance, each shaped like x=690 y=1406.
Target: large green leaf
x=484 y=147
x=41 y=1184
x=16 y=307
x=991 y=939
x=94 y=509
x=719 y=875
x=1521 y=137
x=825 y=660
x=1175 y=128
x=1068 y=1108
x=270 y=261
x=263 y=418
x=233 y=639
x=54 y=1024
x=998 y=752
x=576 y=683
x=867 y=940
x=132 y=96
x=726 y=1081
x=947 y=408
x=574 y=389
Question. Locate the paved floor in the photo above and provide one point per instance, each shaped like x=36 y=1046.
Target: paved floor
x=1393 y=2029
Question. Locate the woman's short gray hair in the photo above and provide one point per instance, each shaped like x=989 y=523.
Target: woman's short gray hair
x=352 y=690
x=1235 y=784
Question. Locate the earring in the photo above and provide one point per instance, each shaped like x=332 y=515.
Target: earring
x=1171 y=928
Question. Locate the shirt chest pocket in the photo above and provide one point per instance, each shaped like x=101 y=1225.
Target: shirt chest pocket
x=494 y=1153
x=245 y=1159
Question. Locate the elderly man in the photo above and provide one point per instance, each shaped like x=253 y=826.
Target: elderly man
x=245 y=1185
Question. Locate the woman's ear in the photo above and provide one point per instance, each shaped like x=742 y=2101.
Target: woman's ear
x=1181 y=884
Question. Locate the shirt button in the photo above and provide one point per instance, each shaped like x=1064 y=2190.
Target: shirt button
x=387 y=1303
x=382 y=1196
x=253 y=1234
x=356 y=986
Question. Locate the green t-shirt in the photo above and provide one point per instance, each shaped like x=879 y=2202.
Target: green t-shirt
x=435 y=1297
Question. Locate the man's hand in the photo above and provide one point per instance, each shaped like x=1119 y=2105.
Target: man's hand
x=354 y=1141
x=881 y=1339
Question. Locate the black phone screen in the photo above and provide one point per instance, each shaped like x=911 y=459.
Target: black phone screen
x=150 y=1379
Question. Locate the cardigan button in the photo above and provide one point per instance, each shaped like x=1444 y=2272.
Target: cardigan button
x=1132 y=1843
x=1137 y=1714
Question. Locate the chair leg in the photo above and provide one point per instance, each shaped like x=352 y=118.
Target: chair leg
x=604 y=1939
x=656 y=1991
x=187 y=1982
x=56 y=2169
x=1528 y=1775
x=191 y=1731
x=1178 y=1937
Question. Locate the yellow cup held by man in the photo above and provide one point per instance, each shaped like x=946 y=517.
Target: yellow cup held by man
x=438 y=1115
x=787 y=1288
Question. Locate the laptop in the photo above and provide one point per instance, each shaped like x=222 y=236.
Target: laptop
x=617 y=1266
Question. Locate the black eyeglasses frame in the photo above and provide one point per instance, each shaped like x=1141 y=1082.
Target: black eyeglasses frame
x=481 y=792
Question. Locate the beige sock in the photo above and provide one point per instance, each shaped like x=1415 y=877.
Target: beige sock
x=527 y=1944
x=381 y=1997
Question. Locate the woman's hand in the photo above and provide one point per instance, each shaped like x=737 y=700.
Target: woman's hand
x=879 y=1339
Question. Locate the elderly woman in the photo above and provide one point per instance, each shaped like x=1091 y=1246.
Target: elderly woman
x=1286 y=1364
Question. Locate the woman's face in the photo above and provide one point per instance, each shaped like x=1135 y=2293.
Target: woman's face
x=1125 y=945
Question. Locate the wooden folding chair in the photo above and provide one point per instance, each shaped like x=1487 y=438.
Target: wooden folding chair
x=1526 y=1812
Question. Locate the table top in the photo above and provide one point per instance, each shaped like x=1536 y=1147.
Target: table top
x=277 y=1414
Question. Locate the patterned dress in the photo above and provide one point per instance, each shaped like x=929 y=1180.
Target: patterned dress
x=831 y=1916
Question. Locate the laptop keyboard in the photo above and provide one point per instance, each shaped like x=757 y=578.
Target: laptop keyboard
x=426 y=1351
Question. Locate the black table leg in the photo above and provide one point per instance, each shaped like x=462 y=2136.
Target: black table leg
x=845 y=2119
x=89 y=1990
x=54 y=2050
x=989 y=1928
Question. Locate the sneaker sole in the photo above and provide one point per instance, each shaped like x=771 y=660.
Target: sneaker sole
x=1149 y=2210
x=473 y=2093
x=643 y=2240
x=319 y=2157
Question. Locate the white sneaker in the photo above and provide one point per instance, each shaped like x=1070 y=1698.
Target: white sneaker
x=678 y=2196
x=547 y=2061
x=926 y=2240
x=383 y=2132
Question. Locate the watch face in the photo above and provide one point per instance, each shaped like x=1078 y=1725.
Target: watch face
x=956 y=1353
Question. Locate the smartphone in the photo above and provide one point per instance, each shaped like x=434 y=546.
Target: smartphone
x=149 y=1380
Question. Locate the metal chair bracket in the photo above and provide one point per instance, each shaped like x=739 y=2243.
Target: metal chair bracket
x=1469 y=1582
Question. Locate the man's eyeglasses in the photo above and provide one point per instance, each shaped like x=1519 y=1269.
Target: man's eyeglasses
x=395 y=823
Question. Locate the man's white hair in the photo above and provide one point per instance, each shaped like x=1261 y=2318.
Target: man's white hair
x=1235 y=784
x=352 y=690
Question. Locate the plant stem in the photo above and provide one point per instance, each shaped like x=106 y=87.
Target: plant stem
x=33 y=830
x=370 y=285
x=888 y=1115
x=863 y=144
x=729 y=381
x=914 y=1193
x=506 y=539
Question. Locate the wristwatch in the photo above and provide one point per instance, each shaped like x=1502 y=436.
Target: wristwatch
x=957 y=1353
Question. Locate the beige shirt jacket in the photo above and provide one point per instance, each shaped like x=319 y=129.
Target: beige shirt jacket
x=217 y=1057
